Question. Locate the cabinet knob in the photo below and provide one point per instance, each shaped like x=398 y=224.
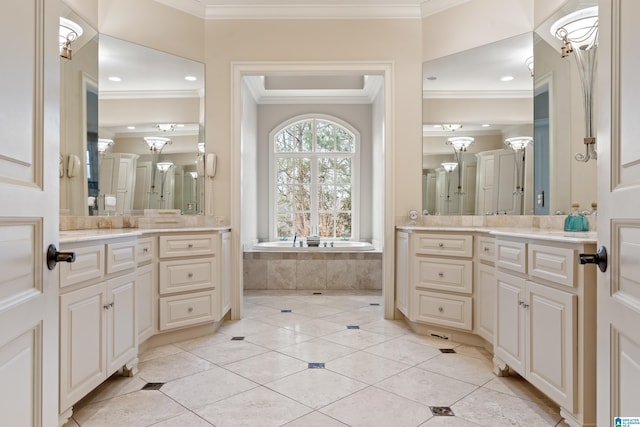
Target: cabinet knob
x=190 y=309
x=190 y=245
x=441 y=274
x=486 y=249
x=440 y=309
x=145 y=250
x=190 y=275
x=441 y=245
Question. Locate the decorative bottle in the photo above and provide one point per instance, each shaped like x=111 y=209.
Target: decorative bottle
x=576 y=221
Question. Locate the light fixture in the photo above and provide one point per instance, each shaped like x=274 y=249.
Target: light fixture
x=519 y=144
x=68 y=32
x=460 y=145
x=506 y=78
x=449 y=166
x=164 y=166
x=579 y=34
x=194 y=175
x=156 y=143
x=166 y=127
x=191 y=78
x=103 y=144
x=451 y=126
x=200 y=147
x=529 y=63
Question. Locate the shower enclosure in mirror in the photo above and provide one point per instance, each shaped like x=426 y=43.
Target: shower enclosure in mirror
x=473 y=102
x=142 y=143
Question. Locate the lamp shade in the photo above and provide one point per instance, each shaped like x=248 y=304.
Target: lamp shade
x=460 y=143
x=156 y=143
x=449 y=166
x=164 y=166
x=518 y=142
x=103 y=144
x=579 y=28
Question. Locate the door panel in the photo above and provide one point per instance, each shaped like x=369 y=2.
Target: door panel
x=618 y=302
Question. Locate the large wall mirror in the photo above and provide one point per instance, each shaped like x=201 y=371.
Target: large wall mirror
x=139 y=142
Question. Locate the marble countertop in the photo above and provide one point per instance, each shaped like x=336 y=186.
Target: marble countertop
x=523 y=233
x=75 y=236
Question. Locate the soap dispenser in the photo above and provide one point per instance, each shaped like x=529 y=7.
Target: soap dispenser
x=576 y=221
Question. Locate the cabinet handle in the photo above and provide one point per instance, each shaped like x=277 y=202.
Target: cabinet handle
x=486 y=249
x=106 y=306
x=441 y=274
x=525 y=305
x=520 y=302
x=145 y=250
x=190 y=309
x=441 y=245
x=440 y=309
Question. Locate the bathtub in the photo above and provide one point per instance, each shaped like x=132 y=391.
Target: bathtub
x=338 y=246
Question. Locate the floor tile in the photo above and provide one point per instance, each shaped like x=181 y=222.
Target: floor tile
x=461 y=367
x=138 y=409
x=366 y=367
x=315 y=419
x=174 y=366
x=516 y=386
x=404 y=350
x=257 y=407
x=160 y=351
x=356 y=338
x=389 y=328
x=488 y=407
x=243 y=327
x=285 y=320
x=317 y=327
x=117 y=385
x=267 y=367
x=316 y=388
x=186 y=420
x=229 y=351
x=206 y=387
x=373 y=407
x=190 y=344
x=277 y=338
x=471 y=351
x=317 y=350
x=448 y=422
x=426 y=387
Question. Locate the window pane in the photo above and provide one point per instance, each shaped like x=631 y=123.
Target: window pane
x=285 y=225
x=295 y=138
x=344 y=141
x=294 y=170
x=325 y=136
x=325 y=228
x=303 y=223
x=343 y=171
x=343 y=225
x=326 y=167
x=343 y=198
x=326 y=198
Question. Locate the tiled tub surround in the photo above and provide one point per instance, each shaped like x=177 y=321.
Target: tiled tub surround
x=312 y=270
x=378 y=375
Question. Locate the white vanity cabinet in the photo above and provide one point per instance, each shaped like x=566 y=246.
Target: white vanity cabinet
x=146 y=288
x=191 y=277
x=485 y=287
x=98 y=330
x=437 y=269
x=545 y=321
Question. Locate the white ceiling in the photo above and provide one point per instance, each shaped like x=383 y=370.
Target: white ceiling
x=311 y=9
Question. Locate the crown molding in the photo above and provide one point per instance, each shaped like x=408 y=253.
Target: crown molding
x=149 y=94
x=432 y=7
x=476 y=94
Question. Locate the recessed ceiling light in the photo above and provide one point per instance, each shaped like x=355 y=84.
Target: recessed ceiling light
x=180 y=125
x=114 y=79
x=191 y=78
x=437 y=126
x=486 y=125
x=506 y=78
x=131 y=127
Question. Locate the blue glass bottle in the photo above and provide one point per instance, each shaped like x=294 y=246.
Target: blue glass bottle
x=576 y=221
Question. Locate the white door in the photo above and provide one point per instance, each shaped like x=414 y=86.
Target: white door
x=619 y=211
x=29 y=188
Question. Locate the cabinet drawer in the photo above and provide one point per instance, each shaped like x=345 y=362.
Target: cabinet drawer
x=486 y=249
x=444 y=274
x=511 y=255
x=121 y=256
x=442 y=309
x=186 y=275
x=552 y=263
x=183 y=245
x=443 y=244
x=184 y=310
x=145 y=250
x=89 y=265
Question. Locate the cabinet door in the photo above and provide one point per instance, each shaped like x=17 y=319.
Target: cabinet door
x=82 y=343
x=225 y=273
x=509 y=335
x=552 y=360
x=145 y=302
x=485 y=301
x=122 y=333
x=402 y=272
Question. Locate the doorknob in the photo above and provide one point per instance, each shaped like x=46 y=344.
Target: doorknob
x=54 y=257
x=599 y=258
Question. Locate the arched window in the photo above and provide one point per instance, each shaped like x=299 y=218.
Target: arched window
x=314 y=168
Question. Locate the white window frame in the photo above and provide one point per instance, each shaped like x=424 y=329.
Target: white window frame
x=355 y=173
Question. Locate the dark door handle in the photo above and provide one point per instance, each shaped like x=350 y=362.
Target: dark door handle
x=54 y=257
x=599 y=258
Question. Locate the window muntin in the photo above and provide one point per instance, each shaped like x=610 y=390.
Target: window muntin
x=314 y=164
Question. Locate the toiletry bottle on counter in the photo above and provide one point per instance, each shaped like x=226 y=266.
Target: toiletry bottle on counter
x=576 y=221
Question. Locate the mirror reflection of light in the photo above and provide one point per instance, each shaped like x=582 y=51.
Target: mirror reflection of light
x=114 y=79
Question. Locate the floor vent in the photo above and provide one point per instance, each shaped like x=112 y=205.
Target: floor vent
x=447 y=350
x=317 y=293
x=237 y=338
x=442 y=411
x=353 y=327
x=316 y=365
x=152 y=386
x=374 y=303
x=286 y=310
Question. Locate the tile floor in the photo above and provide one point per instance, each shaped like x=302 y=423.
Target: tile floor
x=376 y=373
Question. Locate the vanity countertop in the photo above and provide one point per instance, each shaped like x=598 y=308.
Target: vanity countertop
x=523 y=233
x=75 y=236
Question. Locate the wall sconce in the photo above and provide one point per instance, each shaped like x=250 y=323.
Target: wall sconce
x=103 y=144
x=166 y=127
x=156 y=143
x=519 y=144
x=529 y=63
x=163 y=167
x=460 y=145
x=579 y=34
x=451 y=126
x=68 y=32
x=449 y=167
